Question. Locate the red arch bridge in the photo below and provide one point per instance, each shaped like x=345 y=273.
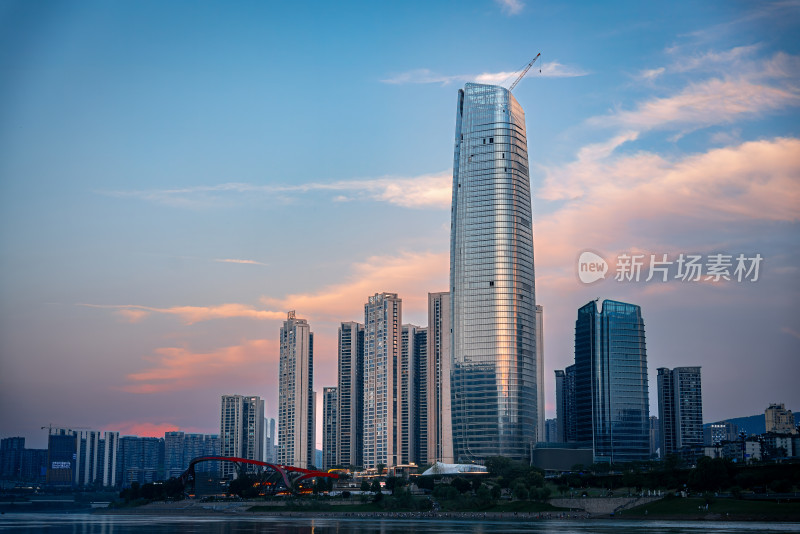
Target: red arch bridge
x=276 y=475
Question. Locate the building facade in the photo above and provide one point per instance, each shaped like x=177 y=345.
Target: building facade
x=62 y=450
x=680 y=409
x=296 y=409
x=330 y=424
x=350 y=444
x=611 y=396
x=383 y=341
x=493 y=303
x=440 y=431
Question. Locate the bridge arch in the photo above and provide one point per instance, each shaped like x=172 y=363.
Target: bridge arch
x=290 y=475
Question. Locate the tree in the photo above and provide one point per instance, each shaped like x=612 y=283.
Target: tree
x=484 y=496
x=711 y=474
x=376 y=489
x=395 y=483
x=364 y=485
x=461 y=484
x=520 y=492
x=534 y=479
x=380 y=468
x=496 y=492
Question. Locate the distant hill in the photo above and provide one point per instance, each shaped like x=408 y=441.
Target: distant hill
x=753 y=424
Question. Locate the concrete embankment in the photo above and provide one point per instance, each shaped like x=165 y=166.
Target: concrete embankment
x=602 y=505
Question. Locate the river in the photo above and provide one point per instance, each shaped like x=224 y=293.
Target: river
x=162 y=524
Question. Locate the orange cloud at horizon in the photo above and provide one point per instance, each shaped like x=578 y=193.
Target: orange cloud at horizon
x=142 y=429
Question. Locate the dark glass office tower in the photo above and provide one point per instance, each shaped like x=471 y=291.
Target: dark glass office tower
x=493 y=304
x=611 y=402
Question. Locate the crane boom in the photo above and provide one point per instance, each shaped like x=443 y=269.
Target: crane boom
x=524 y=72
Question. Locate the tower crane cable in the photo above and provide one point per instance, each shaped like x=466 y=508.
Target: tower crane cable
x=524 y=72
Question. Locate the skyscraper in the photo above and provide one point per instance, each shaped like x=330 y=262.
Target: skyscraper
x=611 y=403
x=296 y=427
x=350 y=444
x=241 y=430
x=680 y=409
x=382 y=345
x=440 y=432
x=329 y=426
x=493 y=304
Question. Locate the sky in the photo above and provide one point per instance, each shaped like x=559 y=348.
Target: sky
x=176 y=176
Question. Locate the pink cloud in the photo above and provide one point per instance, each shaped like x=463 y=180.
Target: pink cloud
x=134 y=313
x=181 y=368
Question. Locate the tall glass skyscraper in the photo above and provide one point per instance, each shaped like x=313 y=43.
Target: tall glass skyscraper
x=612 y=409
x=493 y=303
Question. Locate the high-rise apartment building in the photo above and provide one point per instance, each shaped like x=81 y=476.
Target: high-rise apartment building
x=551 y=431
x=270 y=440
x=350 y=443
x=11 y=457
x=419 y=453
x=680 y=409
x=330 y=423
x=241 y=430
x=440 y=432
x=778 y=419
x=110 y=458
x=140 y=460
x=383 y=341
x=540 y=427
x=86 y=457
x=174 y=450
x=196 y=445
x=611 y=400
x=296 y=407
x=413 y=421
x=655 y=436
x=493 y=302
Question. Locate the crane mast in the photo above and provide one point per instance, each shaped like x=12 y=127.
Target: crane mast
x=524 y=72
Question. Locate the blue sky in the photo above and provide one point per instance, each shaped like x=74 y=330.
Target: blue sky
x=175 y=176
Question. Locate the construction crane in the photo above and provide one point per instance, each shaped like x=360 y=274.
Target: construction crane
x=524 y=72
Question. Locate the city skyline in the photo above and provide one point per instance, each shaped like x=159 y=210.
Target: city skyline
x=157 y=225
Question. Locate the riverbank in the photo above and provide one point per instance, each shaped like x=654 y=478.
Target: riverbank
x=671 y=510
